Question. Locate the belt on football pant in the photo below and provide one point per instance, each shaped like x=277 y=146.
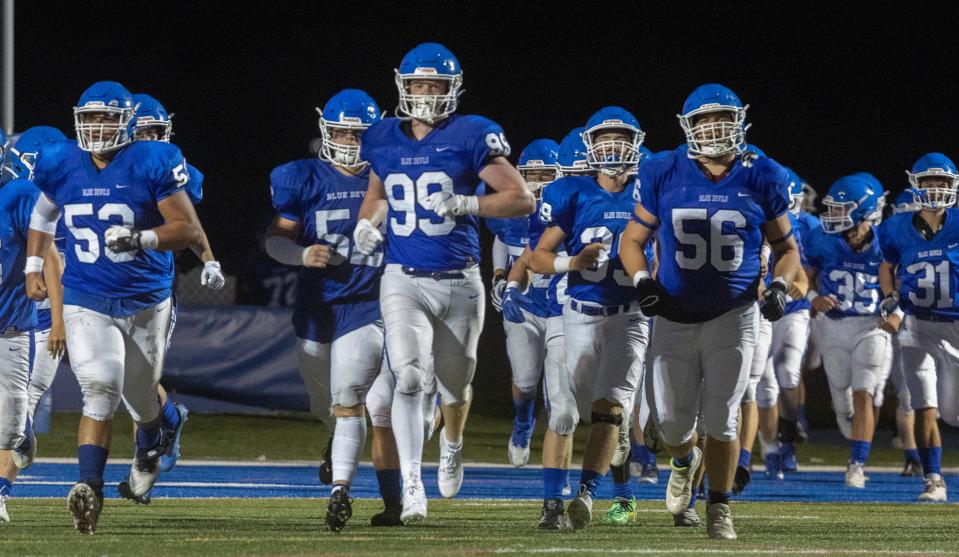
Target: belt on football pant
x=597 y=310
x=435 y=275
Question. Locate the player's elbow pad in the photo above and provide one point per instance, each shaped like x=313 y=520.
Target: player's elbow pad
x=284 y=250
x=45 y=216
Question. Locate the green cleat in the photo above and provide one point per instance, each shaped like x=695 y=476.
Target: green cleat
x=622 y=512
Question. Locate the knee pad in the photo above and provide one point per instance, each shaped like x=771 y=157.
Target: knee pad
x=100 y=401
x=409 y=380
x=379 y=405
x=563 y=416
x=9 y=438
x=604 y=418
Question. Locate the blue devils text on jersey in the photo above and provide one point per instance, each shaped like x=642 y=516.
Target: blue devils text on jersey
x=851 y=277
x=17 y=198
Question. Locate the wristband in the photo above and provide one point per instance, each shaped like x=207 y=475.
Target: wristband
x=471 y=205
x=899 y=313
x=561 y=264
x=766 y=251
x=640 y=275
x=148 y=239
x=781 y=282
x=811 y=294
x=512 y=284
x=34 y=265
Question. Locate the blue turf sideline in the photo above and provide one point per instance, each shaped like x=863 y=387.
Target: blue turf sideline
x=53 y=479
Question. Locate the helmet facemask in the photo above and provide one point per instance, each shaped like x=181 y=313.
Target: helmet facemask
x=106 y=133
x=537 y=176
x=796 y=203
x=612 y=157
x=934 y=189
x=714 y=138
x=341 y=154
x=427 y=108
x=837 y=216
x=148 y=128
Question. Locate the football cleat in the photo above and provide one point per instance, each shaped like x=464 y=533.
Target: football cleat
x=719 y=522
x=326 y=465
x=24 y=453
x=414 y=501
x=145 y=469
x=169 y=458
x=649 y=474
x=339 y=510
x=552 y=515
x=580 y=511
x=935 y=489
x=788 y=457
x=741 y=479
x=518 y=456
x=85 y=504
x=567 y=490
x=124 y=489
x=390 y=516
x=689 y=518
x=449 y=475
x=774 y=466
x=912 y=468
x=855 y=475
x=622 y=512
x=679 y=489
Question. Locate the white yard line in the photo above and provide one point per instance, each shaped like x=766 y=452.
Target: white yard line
x=717 y=551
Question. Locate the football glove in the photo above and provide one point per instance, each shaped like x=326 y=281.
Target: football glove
x=512 y=299
x=496 y=293
x=774 y=300
x=366 y=237
x=889 y=305
x=212 y=277
x=651 y=296
x=445 y=204
x=121 y=239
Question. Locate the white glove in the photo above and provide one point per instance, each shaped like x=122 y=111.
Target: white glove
x=444 y=204
x=496 y=293
x=366 y=237
x=212 y=277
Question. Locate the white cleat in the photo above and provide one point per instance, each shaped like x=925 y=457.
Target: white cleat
x=855 y=475
x=145 y=471
x=679 y=488
x=414 y=501
x=23 y=454
x=935 y=491
x=4 y=517
x=580 y=510
x=449 y=475
x=518 y=456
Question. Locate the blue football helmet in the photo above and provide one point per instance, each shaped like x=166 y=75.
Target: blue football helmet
x=880 y=193
x=540 y=156
x=851 y=200
x=3 y=143
x=153 y=122
x=934 y=165
x=103 y=117
x=795 y=191
x=22 y=156
x=612 y=158
x=431 y=61
x=905 y=202
x=713 y=139
x=572 y=155
x=350 y=109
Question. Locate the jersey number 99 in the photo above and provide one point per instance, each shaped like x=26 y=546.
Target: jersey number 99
x=404 y=194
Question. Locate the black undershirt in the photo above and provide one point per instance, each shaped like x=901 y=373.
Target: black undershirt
x=922 y=227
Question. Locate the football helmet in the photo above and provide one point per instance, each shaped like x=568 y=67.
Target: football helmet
x=612 y=158
x=939 y=166
x=713 y=139
x=153 y=123
x=22 y=156
x=905 y=202
x=431 y=61
x=851 y=200
x=879 y=192
x=103 y=117
x=795 y=192
x=350 y=109
x=540 y=156
x=571 y=160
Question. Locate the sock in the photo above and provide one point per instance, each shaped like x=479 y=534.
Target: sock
x=634 y=450
x=348 y=442
x=912 y=455
x=523 y=421
x=692 y=499
x=391 y=484
x=407 y=416
x=92 y=460
x=6 y=487
x=622 y=487
x=860 y=451
x=714 y=497
x=931 y=458
x=643 y=455
x=787 y=430
x=745 y=457
x=148 y=434
x=769 y=447
x=684 y=462
x=554 y=480
x=591 y=479
x=169 y=415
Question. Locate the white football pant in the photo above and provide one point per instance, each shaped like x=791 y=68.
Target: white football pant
x=44 y=370
x=930 y=360
x=15 y=348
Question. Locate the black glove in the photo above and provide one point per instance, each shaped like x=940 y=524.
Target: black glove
x=651 y=296
x=774 y=300
x=121 y=239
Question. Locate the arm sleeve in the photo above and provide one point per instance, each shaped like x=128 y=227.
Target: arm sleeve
x=284 y=250
x=490 y=141
x=44 y=215
x=500 y=254
x=556 y=209
x=284 y=195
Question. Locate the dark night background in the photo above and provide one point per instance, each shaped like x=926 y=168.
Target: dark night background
x=833 y=88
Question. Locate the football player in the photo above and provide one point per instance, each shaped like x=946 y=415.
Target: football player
x=29 y=332
x=844 y=256
x=425 y=167
x=923 y=247
x=604 y=330
x=710 y=208
x=125 y=210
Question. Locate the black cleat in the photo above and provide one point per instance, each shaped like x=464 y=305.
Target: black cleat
x=326 y=465
x=127 y=493
x=390 y=516
x=912 y=469
x=553 y=513
x=85 y=503
x=339 y=510
x=741 y=480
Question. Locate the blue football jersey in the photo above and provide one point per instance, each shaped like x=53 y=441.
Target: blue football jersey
x=589 y=214
x=547 y=292
x=17 y=198
x=802 y=303
x=327 y=203
x=711 y=233
x=849 y=276
x=194 y=188
x=929 y=268
x=449 y=159
x=514 y=233
x=126 y=192
x=807 y=223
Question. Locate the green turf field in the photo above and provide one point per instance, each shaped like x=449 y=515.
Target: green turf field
x=215 y=527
